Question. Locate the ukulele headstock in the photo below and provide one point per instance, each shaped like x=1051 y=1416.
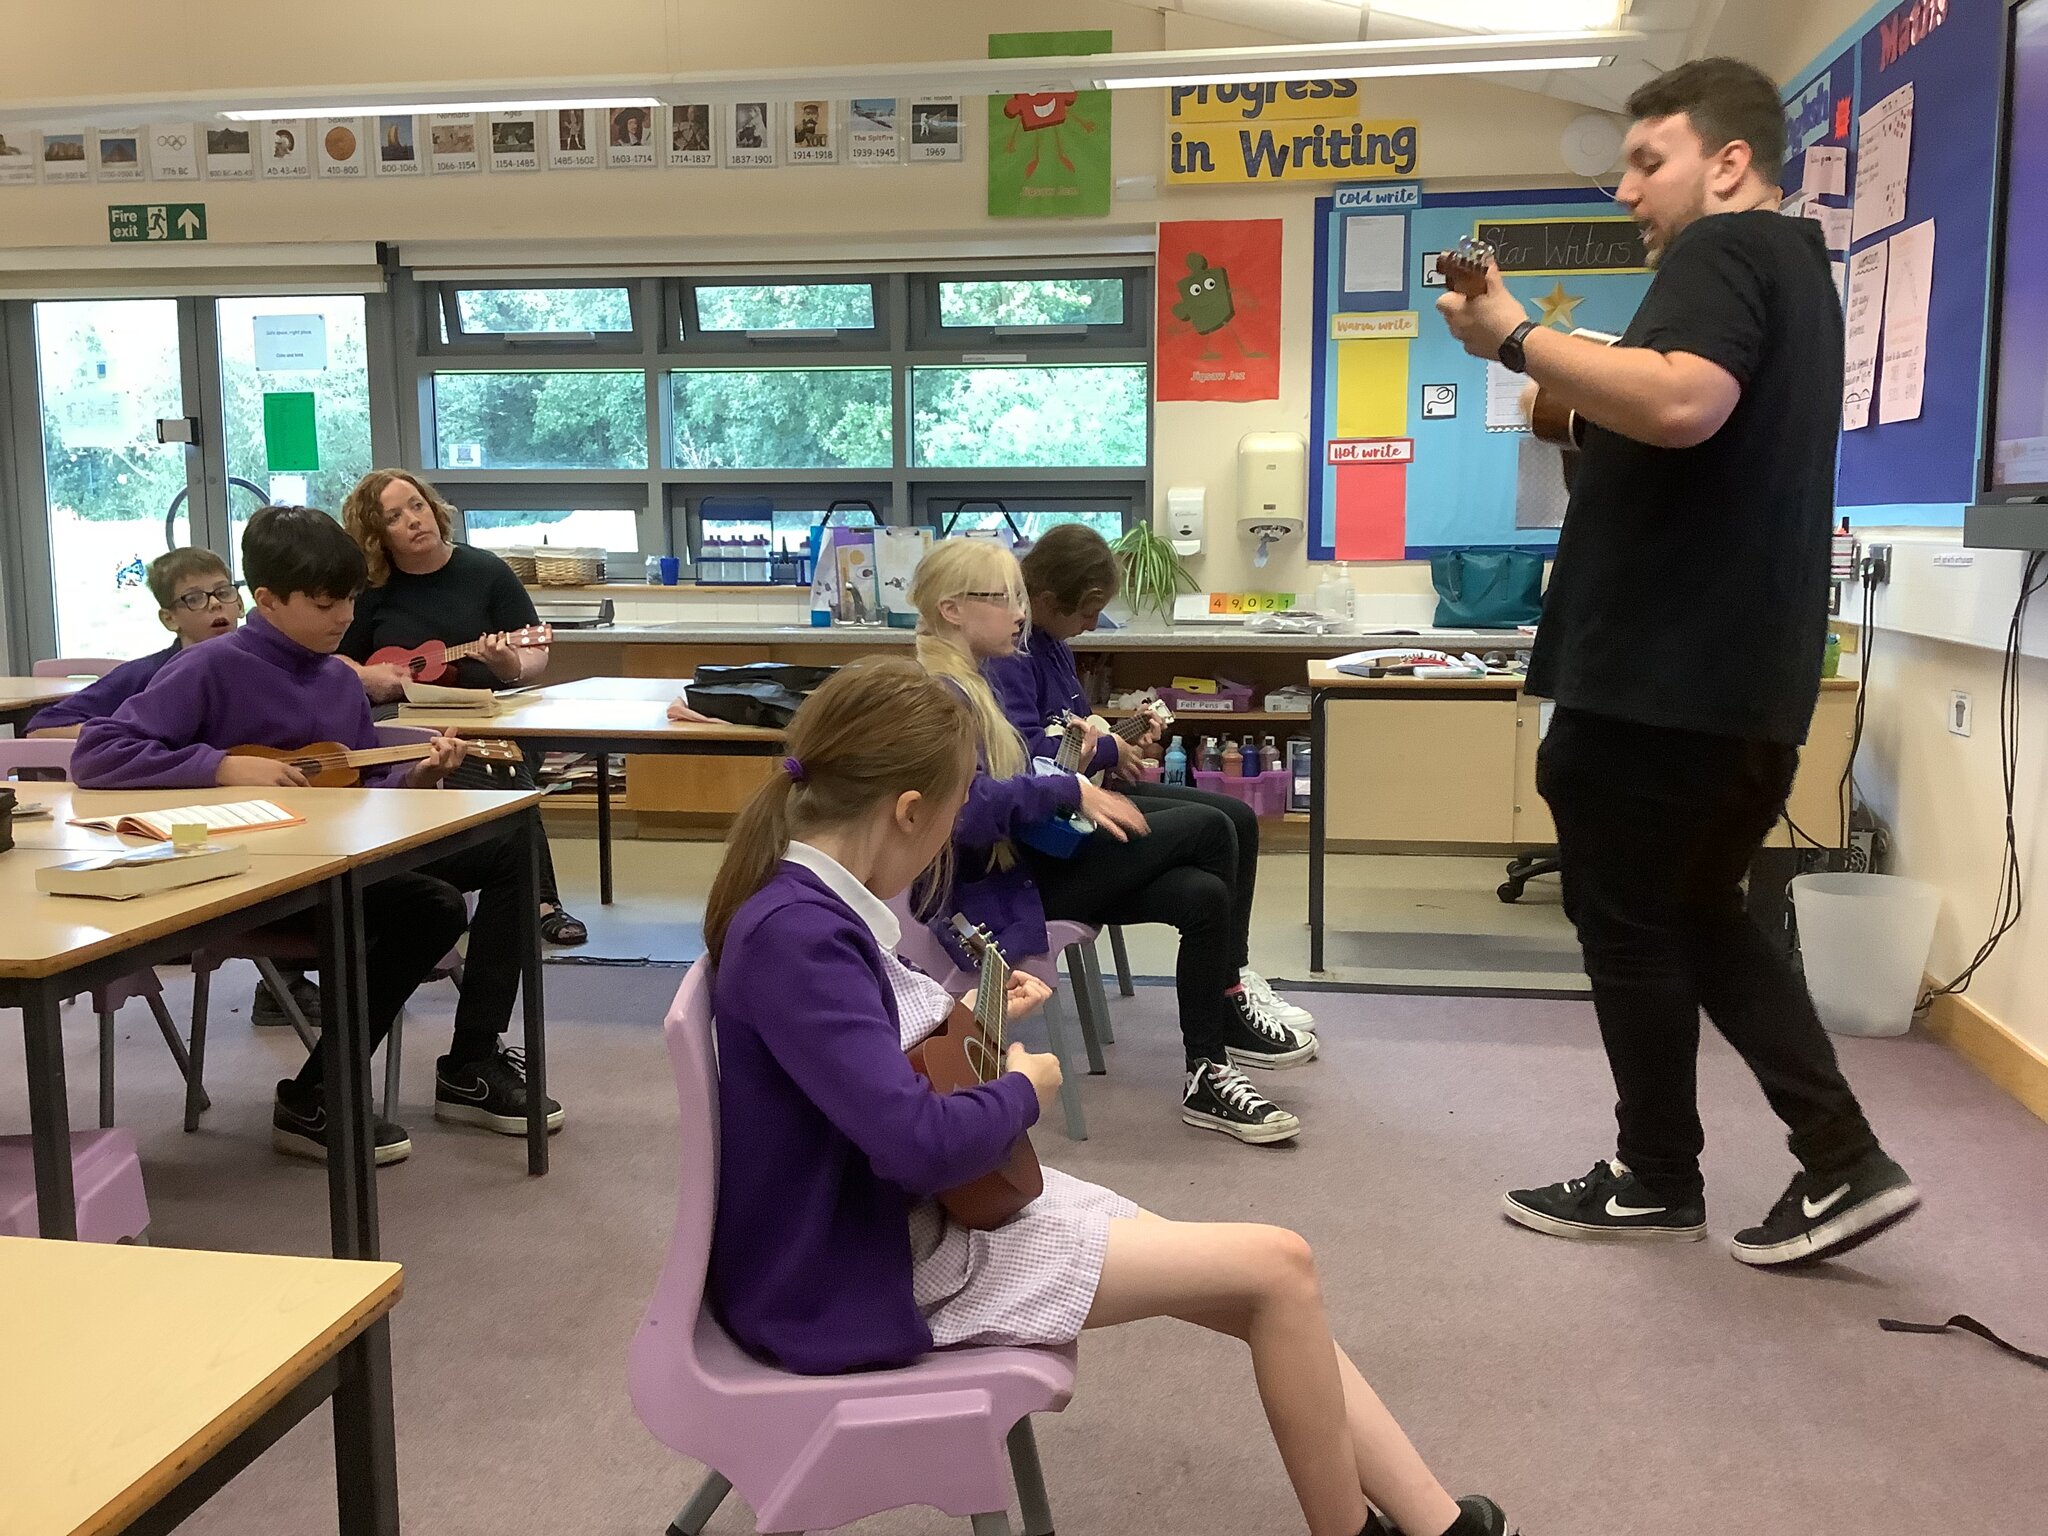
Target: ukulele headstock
x=1463 y=267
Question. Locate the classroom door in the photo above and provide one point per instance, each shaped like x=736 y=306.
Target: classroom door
x=107 y=371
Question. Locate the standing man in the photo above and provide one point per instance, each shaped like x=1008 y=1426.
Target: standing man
x=1681 y=641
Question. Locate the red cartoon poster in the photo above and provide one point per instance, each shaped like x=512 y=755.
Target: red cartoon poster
x=1219 y=310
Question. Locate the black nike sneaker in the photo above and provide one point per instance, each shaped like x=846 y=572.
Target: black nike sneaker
x=1819 y=1216
x=1477 y=1514
x=1609 y=1204
x=1221 y=1098
x=299 y=1126
x=490 y=1093
x=266 y=1012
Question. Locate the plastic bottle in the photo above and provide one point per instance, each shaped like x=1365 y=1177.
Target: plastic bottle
x=1233 y=760
x=1174 y=769
x=1270 y=760
x=1210 y=760
x=654 y=570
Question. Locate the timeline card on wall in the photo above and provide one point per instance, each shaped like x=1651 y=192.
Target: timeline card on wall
x=173 y=151
x=398 y=149
x=935 y=129
x=284 y=152
x=17 y=163
x=629 y=138
x=689 y=135
x=64 y=158
x=230 y=155
x=515 y=141
x=339 y=144
x=871 y=137
x=118 y=154
x=451 y=140
x=572 y=145
x=813 y=133
x=750 y=135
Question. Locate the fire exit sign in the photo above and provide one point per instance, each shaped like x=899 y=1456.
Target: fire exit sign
x=155 y=221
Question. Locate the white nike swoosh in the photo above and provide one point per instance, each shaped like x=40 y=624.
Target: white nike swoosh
x=1616 y=1208
x=1820 y=1207
x=482 y=1091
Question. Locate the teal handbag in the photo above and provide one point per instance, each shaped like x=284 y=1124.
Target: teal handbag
x=1487 y=588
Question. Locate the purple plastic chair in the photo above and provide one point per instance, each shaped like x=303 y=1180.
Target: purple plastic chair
x=74 y=666
x=1074 y=940
x=106 y=1180
x=809 y=1453
x=54 y=754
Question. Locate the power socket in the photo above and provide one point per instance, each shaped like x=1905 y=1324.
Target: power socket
x=1958 y=713
x=1876 y=568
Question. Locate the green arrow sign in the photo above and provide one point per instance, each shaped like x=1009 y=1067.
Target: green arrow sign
x=155 y=221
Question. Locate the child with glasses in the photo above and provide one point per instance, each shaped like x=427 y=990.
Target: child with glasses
x=196 y=600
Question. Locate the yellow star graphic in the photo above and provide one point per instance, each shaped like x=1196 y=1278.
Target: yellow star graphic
x=1558 y=306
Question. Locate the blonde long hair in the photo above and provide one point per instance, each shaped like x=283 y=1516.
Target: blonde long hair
x=362 y=514
x=877 y=728
x=953 y=569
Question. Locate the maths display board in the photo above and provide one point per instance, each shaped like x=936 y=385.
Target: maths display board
x=1416 y=446
x=1923 y=469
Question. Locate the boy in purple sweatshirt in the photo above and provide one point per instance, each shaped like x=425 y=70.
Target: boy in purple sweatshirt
x=277 y=683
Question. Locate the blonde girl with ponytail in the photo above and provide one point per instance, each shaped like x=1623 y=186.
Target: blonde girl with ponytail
x=1175 y=864
x=830 y=1253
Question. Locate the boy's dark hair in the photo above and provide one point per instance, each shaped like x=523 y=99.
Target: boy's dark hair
x=301 y=549
x=1072 y=563
x=166 y=571
x=1725 y=99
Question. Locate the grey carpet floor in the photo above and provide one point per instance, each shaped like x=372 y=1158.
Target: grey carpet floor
x=1592 y=1390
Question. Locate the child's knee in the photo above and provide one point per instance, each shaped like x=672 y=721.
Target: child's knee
x=1287 y=1265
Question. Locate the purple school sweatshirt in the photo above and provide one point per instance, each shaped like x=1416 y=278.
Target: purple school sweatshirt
x=1036 y=685
x=255 y=687
x=827 y=1137
x=104 y=694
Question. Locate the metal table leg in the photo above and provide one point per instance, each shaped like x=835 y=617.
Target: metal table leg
x=344 y=1005
x=530 y=989
x=365 y=1436
x=604 y=828
x=1317 y=790
x=49 y=1114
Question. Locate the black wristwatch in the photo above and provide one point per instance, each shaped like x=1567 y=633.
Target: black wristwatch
x=1511 y=349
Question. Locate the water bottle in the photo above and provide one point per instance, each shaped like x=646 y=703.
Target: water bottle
x=1174 y=770
x=654 y=570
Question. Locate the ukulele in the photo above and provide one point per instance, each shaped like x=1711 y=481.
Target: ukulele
x=431 y=662
x=965 y=1052
x=330 y=765
x=1464 y=267
x=1150 y=713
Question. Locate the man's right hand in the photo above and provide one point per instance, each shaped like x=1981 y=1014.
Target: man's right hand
x=257 y=773
x=385 y=682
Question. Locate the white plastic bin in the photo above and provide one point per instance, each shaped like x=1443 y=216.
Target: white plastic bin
x=1865 y=939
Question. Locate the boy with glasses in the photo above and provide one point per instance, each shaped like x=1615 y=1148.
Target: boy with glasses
x=197 y=599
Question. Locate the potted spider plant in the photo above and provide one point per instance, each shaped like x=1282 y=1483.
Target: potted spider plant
x=1153 y=576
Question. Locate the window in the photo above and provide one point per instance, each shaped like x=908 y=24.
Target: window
x=1031 y=521
x=542 y=420
x=315 y=345
x=737 y=533
x=1066 y=414
x=542 y=311
x=606 y=528
x=1028 y=302
x=785 y=307
x=783 y=418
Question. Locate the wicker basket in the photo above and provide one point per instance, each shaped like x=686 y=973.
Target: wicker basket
x=568 y=567
x=523 y=564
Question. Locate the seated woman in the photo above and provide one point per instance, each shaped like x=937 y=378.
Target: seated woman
x=1069 y=574
x=830 y=1252
x=1169 y=863
x=424 y=586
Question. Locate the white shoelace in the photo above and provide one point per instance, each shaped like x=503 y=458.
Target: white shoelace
x=1264 y=1021
x=1236 y=1091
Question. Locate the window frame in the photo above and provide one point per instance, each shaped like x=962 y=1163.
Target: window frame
x=440 y=304
x=928 y=334
x=681 y=333
x=459 y=488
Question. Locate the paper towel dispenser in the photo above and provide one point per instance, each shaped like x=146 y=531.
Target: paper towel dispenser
x=1272 y=488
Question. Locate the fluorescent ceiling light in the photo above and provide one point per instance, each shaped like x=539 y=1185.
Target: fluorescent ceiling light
x=1505 y=15
x=425 y=108
x=1369 y=72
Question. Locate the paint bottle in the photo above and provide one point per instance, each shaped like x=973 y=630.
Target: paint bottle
x=1270 y=760
x=1233 y=760
x=1174 y=769
x=1211 y=759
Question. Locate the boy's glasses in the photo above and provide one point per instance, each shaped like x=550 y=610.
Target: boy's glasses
x=228 y=596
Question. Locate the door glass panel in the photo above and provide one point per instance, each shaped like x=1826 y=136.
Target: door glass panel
x=106 y=370
x=289 y=345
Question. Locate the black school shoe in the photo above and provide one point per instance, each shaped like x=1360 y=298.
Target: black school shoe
x=490 y=1093
x=265 y=1012
x=298 y=1126
x=1477 y=1515
x=1609 y=1204
x=1220 y=1098
x=1817 y=1217
x=1256 y=1038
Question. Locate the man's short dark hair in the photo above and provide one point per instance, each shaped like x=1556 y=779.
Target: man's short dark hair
x=301 y=549
x=1725 y=99
x=167 y=570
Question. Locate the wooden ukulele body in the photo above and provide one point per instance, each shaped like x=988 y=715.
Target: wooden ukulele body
x=324 y=763
x=948 y=1059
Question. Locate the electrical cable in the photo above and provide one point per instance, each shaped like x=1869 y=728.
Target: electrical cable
x=1843 y=799
x=2009 y=901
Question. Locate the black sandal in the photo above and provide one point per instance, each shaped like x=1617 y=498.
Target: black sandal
x=558 y=927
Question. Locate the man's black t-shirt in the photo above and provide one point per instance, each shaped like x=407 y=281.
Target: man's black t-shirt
x=1690 y=589
x=473 y=595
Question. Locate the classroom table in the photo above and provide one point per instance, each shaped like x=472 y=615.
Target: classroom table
x=57 y=947
x=21 y=697
x=603 y=715
x=141 y=1380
